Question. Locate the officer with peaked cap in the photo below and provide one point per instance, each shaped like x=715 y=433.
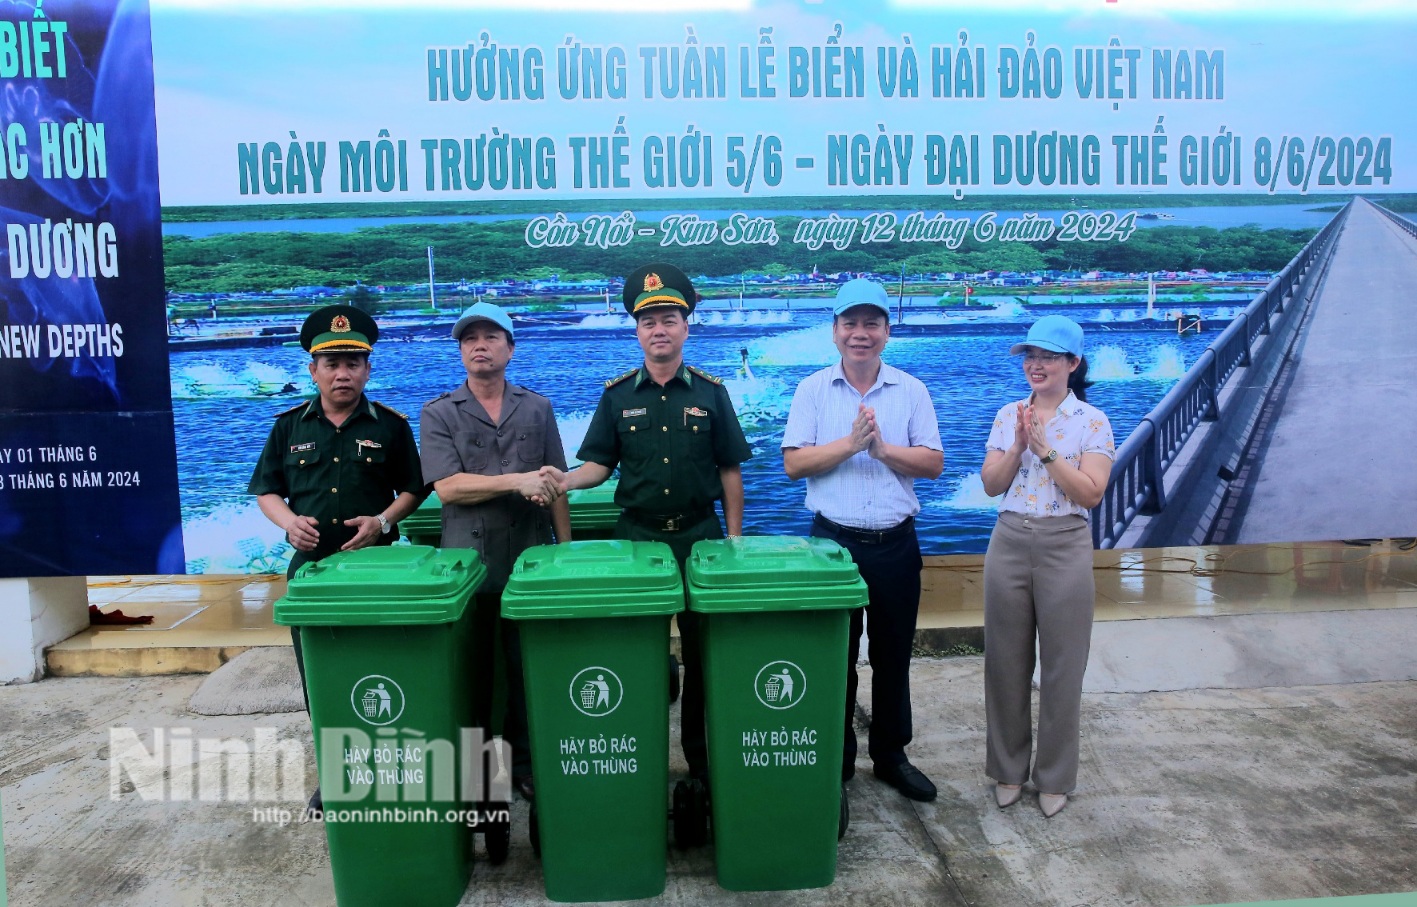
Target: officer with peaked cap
x=672 y=430
x=339 y=470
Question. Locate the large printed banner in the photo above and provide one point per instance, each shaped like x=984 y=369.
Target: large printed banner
x=1135 y=165
x=88 y=472
x=1143 y=167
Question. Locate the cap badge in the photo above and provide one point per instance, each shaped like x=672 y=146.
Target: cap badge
x=653 y=283
x=340 y=324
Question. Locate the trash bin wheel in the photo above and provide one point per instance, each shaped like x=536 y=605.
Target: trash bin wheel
x=845 y=819
x=673 y=678
x=534 y=832
x=690 y=814
x=498 y=839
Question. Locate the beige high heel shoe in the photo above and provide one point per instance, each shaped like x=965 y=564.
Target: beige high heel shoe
x=1007 y=795
x=1052 y=804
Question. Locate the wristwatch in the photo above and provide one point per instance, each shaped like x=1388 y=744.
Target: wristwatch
x=1052 y=455
x=384 y=526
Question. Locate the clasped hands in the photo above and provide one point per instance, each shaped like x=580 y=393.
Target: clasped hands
x=304 y=535
x=542 y=487
x=865 y=434
x=1029 y=431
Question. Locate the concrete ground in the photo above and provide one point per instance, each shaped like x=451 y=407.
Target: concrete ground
x=1198 y=796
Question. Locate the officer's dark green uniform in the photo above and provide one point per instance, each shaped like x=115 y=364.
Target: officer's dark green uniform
x=669 y=442
x=335 y=474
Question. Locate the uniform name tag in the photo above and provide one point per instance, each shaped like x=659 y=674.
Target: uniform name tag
x=627 y=413
x=695 y=411
x=301 y=448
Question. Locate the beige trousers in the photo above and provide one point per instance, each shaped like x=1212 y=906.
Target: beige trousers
x=1037 y=583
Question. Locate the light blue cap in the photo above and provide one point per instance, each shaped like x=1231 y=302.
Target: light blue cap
x=1054 y=333
x=482 y=311
x=862 y=292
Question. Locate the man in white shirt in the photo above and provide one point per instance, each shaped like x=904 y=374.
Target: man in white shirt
x=860 y=432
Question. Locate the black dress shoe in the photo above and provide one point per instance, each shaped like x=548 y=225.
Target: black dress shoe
x=525 y=787
x=907 y=779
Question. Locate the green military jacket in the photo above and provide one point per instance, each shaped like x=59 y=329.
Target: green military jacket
x=335 y=474
x=669 y=441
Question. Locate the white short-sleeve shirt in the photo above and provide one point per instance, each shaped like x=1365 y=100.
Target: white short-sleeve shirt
x=862 y=492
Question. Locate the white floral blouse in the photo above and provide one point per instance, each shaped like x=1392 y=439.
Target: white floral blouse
x=1076 y=429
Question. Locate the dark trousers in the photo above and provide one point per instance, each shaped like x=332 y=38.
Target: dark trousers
x=298 y=560
x=488 y=628
x=692 y=733
x=891 y=570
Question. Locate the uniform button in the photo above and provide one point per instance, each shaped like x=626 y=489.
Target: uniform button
x=663 y=398
x=664 y=428
x=499 y=432
x=521 y=437
x=336 y=460
x=666 y=491
x=666 y=459
x=334 y=521
x=506 y=462
x=334 y=491
x=368 y=459
x=632 y=428
x=302 y=462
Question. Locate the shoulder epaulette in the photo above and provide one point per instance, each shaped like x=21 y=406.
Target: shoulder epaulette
x=704 y=375
x=618 y=378
x=301 y=405
x=530 y=391
x=390 y=409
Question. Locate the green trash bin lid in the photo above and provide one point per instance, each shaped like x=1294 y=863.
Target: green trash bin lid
x=603 y=578
x=426 y=521
x=594 y=508
x=773 y=573
x=396 y=585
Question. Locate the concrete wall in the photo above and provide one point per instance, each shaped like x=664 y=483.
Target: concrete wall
x=35 y=614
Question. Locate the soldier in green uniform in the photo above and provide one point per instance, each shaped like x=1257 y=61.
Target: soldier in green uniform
x=338 y=471
x=672 y=431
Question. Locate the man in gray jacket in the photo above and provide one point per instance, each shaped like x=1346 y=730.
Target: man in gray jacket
x=483 y=447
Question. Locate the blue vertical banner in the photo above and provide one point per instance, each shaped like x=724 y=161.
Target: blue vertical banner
x=88 y=475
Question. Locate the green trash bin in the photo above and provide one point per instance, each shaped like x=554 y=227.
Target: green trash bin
x=775 y=613
x=594 y=514
x=594 y=511
x=386 y=632
x=425 y=525
x=594 y=619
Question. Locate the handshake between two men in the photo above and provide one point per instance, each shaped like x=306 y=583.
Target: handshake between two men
x=544 y=486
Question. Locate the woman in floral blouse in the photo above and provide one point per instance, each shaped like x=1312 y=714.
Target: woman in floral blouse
x=1050 y=456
